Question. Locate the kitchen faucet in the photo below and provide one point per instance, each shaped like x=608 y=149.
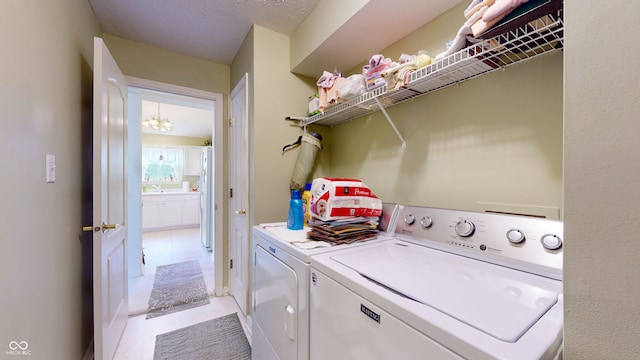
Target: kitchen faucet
x=159 y=187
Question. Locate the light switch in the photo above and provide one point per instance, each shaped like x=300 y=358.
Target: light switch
x=50 y=168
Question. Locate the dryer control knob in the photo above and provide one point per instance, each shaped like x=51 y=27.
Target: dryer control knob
x=426 y=222
x=409 y=219
x=465 y=228
x=515 y=236
x=551 y=242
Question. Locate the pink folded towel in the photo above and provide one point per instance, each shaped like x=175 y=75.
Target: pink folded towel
x=500 y=9
x=474 y=7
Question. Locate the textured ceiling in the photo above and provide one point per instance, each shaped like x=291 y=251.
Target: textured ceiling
x=207 y=29
x=215 y=29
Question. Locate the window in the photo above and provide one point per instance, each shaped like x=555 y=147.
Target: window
x=162 y=164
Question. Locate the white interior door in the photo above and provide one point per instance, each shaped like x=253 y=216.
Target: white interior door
x=109 y=199
x=238 y=202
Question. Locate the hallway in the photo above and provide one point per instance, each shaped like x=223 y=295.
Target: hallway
x=162 y=248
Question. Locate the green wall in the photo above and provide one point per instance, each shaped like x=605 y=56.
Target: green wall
x=151 y=63
x=46 y=102
x=494 y=139
x=277 y=94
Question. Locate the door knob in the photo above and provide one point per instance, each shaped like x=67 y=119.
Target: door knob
x=104 y=227
x=241 y=212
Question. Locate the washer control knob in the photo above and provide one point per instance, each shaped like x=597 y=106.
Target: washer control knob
x=551 y=242
x=409 y=219
x=515 y=236
x=426 y=222
x=465 y=228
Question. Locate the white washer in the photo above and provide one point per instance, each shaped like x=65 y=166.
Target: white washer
x=280 y=287
x=449 y=285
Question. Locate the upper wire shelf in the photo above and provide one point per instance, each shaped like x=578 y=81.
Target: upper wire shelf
x=535 y=38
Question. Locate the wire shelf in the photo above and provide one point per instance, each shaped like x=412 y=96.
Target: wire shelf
x=537 y=37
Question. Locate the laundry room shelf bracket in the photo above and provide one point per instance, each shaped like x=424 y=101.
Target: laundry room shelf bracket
x=384 y=111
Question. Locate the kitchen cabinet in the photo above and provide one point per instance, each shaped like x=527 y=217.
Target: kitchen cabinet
x=170 y=211
x=192 y=156
x=151 y=212
x=191 y=210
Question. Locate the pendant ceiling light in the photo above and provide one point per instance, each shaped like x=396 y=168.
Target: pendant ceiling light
x=156 y=122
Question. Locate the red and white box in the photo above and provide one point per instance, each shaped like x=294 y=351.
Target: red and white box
x=339 y=198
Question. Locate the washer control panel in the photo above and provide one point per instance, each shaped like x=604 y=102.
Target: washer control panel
x=528 y=243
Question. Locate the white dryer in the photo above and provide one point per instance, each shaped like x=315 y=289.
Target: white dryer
x=280 y=287
x=449 y=285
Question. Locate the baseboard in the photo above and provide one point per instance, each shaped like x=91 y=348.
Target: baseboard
x=249 y=321
x=88 y=355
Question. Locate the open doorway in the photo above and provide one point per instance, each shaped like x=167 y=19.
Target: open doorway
x=166 y=175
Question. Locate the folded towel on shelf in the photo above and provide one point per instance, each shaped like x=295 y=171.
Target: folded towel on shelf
x=471 y=7
x=490 y=11
x=500 y=9
x=481 y=26
x=403 y=77
x=469 y=12
x=392 y=79
x=397 y=76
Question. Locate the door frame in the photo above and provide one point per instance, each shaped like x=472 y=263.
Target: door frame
x=244 y=262
x=218 y=138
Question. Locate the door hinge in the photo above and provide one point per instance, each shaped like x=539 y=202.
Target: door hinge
x=230 y=122
x=230 y=263
x=230 y=192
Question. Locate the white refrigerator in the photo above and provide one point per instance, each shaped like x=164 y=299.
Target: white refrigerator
x=206 y=197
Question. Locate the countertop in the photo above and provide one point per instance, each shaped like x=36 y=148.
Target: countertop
x=169 y=192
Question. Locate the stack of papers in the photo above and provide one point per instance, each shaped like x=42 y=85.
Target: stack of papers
x=344 y=231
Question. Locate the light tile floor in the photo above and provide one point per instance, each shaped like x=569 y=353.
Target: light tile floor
x=161 y=248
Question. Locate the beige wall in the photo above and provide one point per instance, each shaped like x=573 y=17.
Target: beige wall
x=273 y=94
x=151 y=63
x=45 y=97
x=319 y=25
x=495 y=139
x=170 y=140
x=601 y=181
x=277 y=94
